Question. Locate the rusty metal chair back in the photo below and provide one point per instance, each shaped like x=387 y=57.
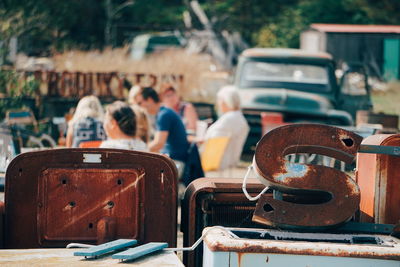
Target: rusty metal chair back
x=90 y=195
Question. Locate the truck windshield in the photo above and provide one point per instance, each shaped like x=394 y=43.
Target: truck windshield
x=285 y=75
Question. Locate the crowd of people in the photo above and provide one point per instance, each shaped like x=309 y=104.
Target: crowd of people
x=159 y=122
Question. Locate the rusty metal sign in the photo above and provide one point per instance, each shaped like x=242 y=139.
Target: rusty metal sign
x=89 y=195
x=339 y=192
x=102 y=84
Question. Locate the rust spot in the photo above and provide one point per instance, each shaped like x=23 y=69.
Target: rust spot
x=240 y=258
x=58 y=211
x=298 y=177
x=218 y=243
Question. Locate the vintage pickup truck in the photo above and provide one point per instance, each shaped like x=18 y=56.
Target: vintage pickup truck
x=300 y=85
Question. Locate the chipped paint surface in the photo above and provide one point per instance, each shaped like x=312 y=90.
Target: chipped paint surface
x=116 y=195
x=336 y=195
x=293 y=170
x=389 y=249
x=69 y=200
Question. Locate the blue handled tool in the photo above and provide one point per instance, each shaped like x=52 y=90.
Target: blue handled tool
x=106 y=248
x=139 y=251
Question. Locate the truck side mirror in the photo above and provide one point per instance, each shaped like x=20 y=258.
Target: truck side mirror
x=354 y=81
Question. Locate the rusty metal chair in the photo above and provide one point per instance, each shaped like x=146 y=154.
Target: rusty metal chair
x=88 y=195
x=26 y=129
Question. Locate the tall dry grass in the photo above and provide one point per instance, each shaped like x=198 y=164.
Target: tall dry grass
x=194 y=67
x=387 y=101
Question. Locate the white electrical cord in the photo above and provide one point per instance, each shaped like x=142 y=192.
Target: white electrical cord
x=249 y=169
x=193 y=247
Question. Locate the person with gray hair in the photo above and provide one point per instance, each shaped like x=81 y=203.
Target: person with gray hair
x=229 y=96
x=231 y=124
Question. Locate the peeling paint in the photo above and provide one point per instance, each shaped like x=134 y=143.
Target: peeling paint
x=115 y=188
x=342 y=195
x=293 y=170
x=336 y=245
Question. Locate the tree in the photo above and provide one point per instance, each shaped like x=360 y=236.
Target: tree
x=111 y=11
x=47 y=25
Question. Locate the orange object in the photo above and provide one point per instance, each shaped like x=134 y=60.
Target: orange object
x=378 y=177
x=271 y=120
x=89 y=144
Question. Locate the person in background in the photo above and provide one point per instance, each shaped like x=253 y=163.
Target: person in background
x=231 y=123
x=185 y=110
x=144 y=128
x=120 y=127
x=170 y=134
x=142 y=123
x=86 y=123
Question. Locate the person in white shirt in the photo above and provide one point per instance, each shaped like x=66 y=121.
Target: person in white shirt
x=231 y=124
x=120 y=127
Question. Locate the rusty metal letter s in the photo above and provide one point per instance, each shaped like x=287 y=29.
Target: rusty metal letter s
x=291 y=178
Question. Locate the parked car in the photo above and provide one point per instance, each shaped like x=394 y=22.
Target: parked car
x=144 y=44
x=300 y=85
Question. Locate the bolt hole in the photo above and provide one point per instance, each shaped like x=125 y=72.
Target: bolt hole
x=72 y=204
x=110 y=204
x=162 y=171
x=20 y=170
x=348 y=142
x=90 y=225
x=119 y=181
x=64 y=181
x=268 y=208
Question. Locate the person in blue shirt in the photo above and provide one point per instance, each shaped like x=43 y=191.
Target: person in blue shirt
x=170 y=133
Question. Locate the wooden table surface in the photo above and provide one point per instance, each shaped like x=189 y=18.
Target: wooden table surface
x=64 y=257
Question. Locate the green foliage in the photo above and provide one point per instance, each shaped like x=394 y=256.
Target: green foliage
x=285 y=27
x=48 y=25
x=378 y=12
x=15 y=86
x=284 y=32
x=14 y=89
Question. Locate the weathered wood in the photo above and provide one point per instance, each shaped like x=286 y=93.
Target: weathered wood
x=64 y=257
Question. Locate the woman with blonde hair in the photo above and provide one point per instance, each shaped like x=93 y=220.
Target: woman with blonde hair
x=86 y=123
x=142 y=123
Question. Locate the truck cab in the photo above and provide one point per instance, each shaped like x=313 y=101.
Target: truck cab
x=300 y=85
